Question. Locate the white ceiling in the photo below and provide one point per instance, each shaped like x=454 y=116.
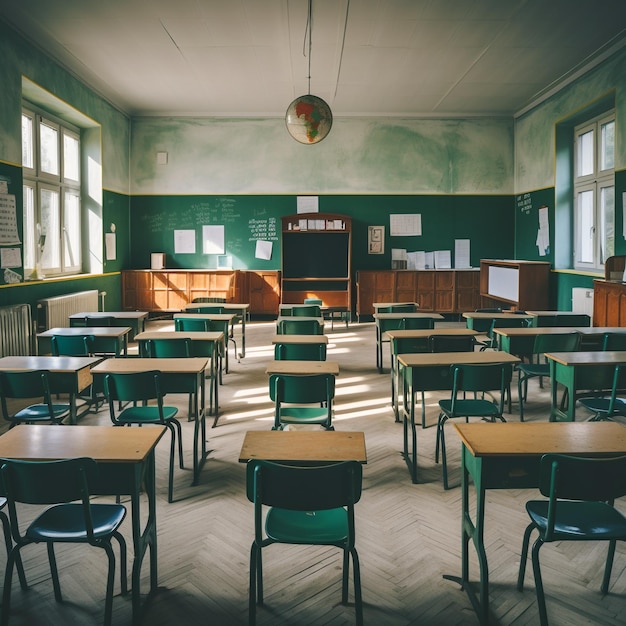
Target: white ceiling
x=369 y=57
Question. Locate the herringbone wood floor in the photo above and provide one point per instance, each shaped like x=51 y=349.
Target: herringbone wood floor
x=408 y=535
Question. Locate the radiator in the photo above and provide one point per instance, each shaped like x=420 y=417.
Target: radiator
x=54 y=312
x=16 y=330
x=582 y=300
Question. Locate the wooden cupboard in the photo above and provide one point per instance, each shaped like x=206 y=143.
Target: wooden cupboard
x=609 y=303
x=440 y=291
x=172 y=290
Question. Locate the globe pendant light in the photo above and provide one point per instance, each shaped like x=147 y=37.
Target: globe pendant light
x=309 y=118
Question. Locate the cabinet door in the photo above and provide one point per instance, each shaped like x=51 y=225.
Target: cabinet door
x=264 y=292
x=467 y=295
x=444 y=292
x=406 y=286
x=600 y=293
x=425 y=295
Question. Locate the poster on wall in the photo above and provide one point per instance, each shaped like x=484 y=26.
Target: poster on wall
x=375 y=239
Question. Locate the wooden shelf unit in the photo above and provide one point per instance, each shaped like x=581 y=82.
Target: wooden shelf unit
x=317 y=259
x=521 y=285
x=440 y=291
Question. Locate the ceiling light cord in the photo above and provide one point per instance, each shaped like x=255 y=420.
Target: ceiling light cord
x=308 y=29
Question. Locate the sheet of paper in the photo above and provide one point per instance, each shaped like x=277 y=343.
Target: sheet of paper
x=8 y=220
x=263 y=250
x=462 y=253
x=398 y=254
x=442 y=260
x=213 y=239
x=543 y=232
x=429 y=260
x=11 y=277
x=184 y=241
x=10 y=257
x=308 y=204
x=420 y=260
x=405 y=224
x=411 y=260
x=110 y=246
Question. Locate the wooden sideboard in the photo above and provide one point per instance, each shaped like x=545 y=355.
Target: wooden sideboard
x=173 y=289
x=441 y=291
x=609 y=303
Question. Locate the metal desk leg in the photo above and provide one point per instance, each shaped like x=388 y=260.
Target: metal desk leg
x=242 y=354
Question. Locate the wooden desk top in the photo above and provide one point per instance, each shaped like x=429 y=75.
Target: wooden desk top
x=96 y=331
x=131 y=315
x=378 y=305
x=192 y=365
x=599 y=357
x=533 y=331
x=291 y=318
x=215 y=317
x=429 y=332
x=537 y=438
x=315 y=339
x=303 y=445
x=478 y=315
x=551 y=313
x=36 y=442
x=51 y=363
x=234 y=306
x=432 y=359
x=302 y=368
x=194 y=335
x=396 y=316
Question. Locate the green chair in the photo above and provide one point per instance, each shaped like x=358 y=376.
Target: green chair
x=213 y=299
x=97 y=321
x=573 y=320
x=614 y=341
x=72 y=345
x=451 y=343
x=70 y=518
x=191 y=324
x=300 y=327
x=223 y=327
x=20 y=385
x=404 y=345
x=168 y=348
x=214 y=309
x=141 y=387
x=309 y=310
x=581 y=493
x=483 y=325
x=399 y=323
x=300 y=351
x=308 y=506
x=566 y=342
x=607 y=407
x=306 y=399
x=317 y=301
x=8 y=543
x=477 y=379
x=397 y=308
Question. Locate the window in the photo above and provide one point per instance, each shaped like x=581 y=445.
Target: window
x=594 y=192
x=52 y=214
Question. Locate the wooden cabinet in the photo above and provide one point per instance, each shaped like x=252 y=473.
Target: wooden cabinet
x=609 y=303
x=440 y=291
x=172 y=290
x=522 y=285
x=317 y=259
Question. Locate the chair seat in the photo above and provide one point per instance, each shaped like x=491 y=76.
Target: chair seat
x=146 y=415
x=534 y=369
x=66 y=522
x=318 y=527
x=587 y=520
x=36 y=412
x=303 y=415
x=469 y=408
x=602 y=405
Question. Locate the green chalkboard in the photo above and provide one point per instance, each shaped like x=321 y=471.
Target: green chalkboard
x=487 y=221
x=527 y=207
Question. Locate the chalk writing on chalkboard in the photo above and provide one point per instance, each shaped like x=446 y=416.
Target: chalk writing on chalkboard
x=524 y=203
x=263 y=229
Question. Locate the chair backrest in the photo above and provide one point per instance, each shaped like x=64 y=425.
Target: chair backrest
x=99 y=320
x=210 y=310
x=300 y=327
x=582 y=478
x=72 y=345
x=317 y=301
x=312 y=310
x=581 y=319
x=169 y=348
x=300 y=351
x=409 y=345
x=297 y=488
x=451 y=343
x=25 y=384
x=481 y=377
x=398 y=308
x=209 y=299
x=191 y=324
x=565 y=342
x=307 y=389
x=415 y=323
x=614 y=341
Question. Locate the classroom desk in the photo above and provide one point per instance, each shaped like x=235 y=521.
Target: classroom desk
x=125 y=457
x=68 y=374
x=506 y=456
x=383 y=305
x=225 y=318
x=432 y=372
x=109 y=340
x=388 y=321
x=588 y=370
x=178 y=376
x=471 y=317
x=546 y=315
x=302 y=368
x=421 y=334
x=241 y=311
x=203 y=344
x=304 y=446
x=135 y=319
x=328 y=312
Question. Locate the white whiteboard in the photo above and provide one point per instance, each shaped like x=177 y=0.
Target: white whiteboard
x=503 y=283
